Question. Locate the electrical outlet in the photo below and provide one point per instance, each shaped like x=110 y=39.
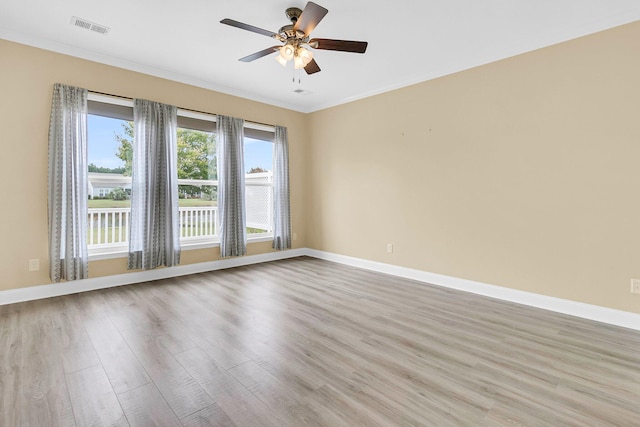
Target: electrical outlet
x=389 y=248
x=34 y=264
x=635 y=286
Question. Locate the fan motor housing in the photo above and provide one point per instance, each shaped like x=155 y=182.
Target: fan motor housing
x=287 y=32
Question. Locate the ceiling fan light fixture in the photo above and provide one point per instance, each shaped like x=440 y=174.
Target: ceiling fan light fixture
x=281 y=60
x=298 y=63
x=305 y=55
x=287 y=52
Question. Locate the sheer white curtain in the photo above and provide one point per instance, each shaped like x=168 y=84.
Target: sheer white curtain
x=231 y=207
x=155 y=232
x=68 y=188
x=281 y=208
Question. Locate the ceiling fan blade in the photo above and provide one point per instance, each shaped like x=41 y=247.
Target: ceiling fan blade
x=341 y=45
x=310 y=17
x=248 y=27
x=260 y=54
x=312 y=67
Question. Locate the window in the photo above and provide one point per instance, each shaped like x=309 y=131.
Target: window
x=258 y=161
x=197 y=181
x=110 y=135
x=109 y=182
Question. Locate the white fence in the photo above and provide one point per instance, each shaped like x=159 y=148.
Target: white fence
x=259 y=200
x=110 y=226
x=198 y=222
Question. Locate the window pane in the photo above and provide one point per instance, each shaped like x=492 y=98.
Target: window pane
x=258 y=160
x=197 y=183
x=109 y=175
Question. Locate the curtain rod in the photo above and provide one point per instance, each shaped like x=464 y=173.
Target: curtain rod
x=182 y=108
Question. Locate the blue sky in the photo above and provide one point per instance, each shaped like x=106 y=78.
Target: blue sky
x=102 y=142
x=103 y=145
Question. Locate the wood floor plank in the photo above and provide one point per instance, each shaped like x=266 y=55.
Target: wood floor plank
x=181 y=391
x=144 y=406
x=309 y=342
x=276 y=395
x=76 y=349
x=240 y=405
x=46 y=398
x=211 y=416
x=344 y=409
x=223 y=353
x=93 y=399
x=10 y=367
x=122 y=367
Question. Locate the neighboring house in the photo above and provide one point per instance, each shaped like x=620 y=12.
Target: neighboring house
x=101 y=184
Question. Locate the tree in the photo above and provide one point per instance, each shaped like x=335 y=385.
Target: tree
x=101 y=169
x=125 y=150
x=257 y=169
x=197 y=160
x=196 y=157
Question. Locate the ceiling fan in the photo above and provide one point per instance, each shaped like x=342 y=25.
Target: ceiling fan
x=296 y=39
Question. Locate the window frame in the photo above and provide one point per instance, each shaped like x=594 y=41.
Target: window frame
x=118 y=107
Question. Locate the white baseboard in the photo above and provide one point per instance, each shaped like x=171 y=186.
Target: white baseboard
x=65 y=288
x=587 y=311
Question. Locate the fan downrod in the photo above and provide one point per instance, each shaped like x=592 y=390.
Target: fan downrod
x=293 y=13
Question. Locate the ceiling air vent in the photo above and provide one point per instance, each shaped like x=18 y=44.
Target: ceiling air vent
x=83 y=23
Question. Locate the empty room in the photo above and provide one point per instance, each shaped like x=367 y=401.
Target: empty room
x=289 y=213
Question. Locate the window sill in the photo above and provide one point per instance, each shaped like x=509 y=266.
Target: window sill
x=121 y=251
x=108 y=253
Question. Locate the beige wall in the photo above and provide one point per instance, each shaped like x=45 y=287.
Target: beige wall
x=523 y=173
x=27 y=76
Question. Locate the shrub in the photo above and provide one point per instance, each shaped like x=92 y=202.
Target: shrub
x=118 y=194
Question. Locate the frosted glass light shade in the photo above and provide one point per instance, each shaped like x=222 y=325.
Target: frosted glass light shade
x=281 y=60
x=287 y=52
x=305 y=55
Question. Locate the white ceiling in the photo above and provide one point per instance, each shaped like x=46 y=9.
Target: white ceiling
x=409 y=40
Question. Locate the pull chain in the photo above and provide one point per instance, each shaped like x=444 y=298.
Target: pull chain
x=293 y=77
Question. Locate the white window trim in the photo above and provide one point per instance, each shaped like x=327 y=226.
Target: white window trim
x=126 y=102
x=108 y=99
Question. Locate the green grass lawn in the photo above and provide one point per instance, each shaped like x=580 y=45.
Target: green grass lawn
x=196 y=202
x=108 y=203
x=251 y=230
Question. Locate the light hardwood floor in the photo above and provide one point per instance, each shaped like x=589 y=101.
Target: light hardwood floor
x=308 y=342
